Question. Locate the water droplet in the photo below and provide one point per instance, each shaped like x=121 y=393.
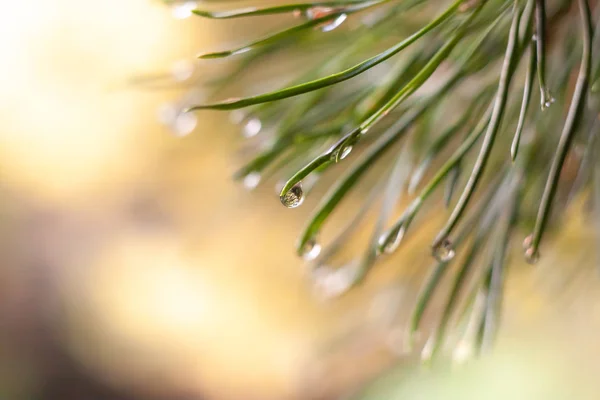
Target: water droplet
x=251 y=180
x=167 y=113
x=390 y=243
x=184 y=124
x=330 y=282
x=444 y=252
x=183 y=70
x=527 y=242
x=547 y=100
x=463 y=352
x=183 y=10
x=534 y=37
x=293 y=197
x=237 y=116
x=531 y=255
x=252 y=127
x=345 y=151
x=337 y=21
x=318 y=12
x=427 y=351
x=311 y=250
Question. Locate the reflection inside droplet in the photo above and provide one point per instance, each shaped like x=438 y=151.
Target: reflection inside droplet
x=183 y=10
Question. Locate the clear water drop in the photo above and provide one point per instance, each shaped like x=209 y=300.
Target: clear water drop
x=311 y=250
x=336 y=22
x=427 y=351
x=527 y=242
x=547 y=100
x=318 y=12
x=390 y=243
x=463 y=352
x=184 y=124
x=252 y=127
x=531 y=255
x=252 y=180
x=183 y=70
x=183 y=10
x=444 y=252
x=345 y=152
x=293 y=197
x=237 y=116
x=330 y=282
x=167 y=113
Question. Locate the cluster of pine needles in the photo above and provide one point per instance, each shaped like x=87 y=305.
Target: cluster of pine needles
x=491 y=102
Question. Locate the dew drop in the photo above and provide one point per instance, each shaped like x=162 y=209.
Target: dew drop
x=534 y=37
x=252 y=127
x=444 y=252
x=237 y=116
x=548 y=100
x=463 y=352
x=183 y=10
x=184 y=124
x=527 y=242
x=183 y=70
x=531 y=255
x=311 y=250
x=330 y=282
x=389 y=243
x=337 y=21
x=167 y=113
x=251 y=180
x=427 y=351
x=317 y=12
x=293 y=197
x=345 y=152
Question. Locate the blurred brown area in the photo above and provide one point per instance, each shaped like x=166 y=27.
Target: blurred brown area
x=134 y=268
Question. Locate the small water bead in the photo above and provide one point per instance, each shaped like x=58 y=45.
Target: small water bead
x=311 y=250
x=345 y=152
x=527 y=242
x=444 y=252
x=390 y=243
x=547 y=99
x=252 y=180
x=237 y=116
x=167 y=113
x=330 y=282
x=463 y=352
x=531 y=255
x=184 y=124
x=183 y=70
x=336 y=22
x=183 y=10
x=293 y=197
x=252 y=127
x=318 y=12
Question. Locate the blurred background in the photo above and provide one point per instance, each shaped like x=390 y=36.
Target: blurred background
x=133 y=267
